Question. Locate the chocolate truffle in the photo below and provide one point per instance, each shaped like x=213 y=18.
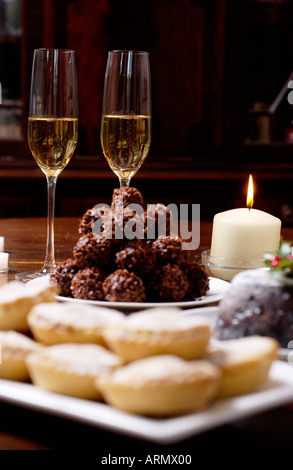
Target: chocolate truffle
x=137 y=256
x=63 y=275
x=96 y=213
x=88 y=284
x=92 y=250
x=158 y=221
x=123 y=286
x=123 y=197
x=169 y=284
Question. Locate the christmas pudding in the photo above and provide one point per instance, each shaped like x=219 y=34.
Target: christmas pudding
x=260 y=301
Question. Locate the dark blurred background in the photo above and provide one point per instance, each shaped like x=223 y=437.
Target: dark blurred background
x=220 y=73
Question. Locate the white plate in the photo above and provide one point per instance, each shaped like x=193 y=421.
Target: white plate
x=277 y=391
x=209 y=312
x=217 y=289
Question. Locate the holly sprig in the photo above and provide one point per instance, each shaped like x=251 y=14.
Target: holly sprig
x=281 y=262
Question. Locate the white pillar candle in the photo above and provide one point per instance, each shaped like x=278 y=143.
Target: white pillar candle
x=245 y=234
x=241 y=237
x=4 y=257
x=1 y=243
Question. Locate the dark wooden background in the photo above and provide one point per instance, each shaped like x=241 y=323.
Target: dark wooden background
x=216 y=66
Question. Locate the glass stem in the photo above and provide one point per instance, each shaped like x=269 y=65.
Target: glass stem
x=50 y=252
x=124 y=182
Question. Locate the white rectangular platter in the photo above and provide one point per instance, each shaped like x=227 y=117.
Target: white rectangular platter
x=277 y=391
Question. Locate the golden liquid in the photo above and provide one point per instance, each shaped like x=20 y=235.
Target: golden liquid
x=52 y=142
x=125 y=141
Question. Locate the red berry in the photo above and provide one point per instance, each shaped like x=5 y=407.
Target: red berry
x=274 y=261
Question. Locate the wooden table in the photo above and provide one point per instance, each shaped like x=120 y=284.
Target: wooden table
x=26 y=429
x=25 y=241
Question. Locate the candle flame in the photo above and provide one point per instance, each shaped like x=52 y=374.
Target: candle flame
x=249 y=199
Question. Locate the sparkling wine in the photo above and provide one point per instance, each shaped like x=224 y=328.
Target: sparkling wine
x=125 y=141
x=52 y=142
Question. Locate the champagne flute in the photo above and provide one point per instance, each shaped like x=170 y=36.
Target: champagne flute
x=52 y=129
x=126 y=113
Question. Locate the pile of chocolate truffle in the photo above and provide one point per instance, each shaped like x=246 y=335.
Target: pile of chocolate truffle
x=119 y=269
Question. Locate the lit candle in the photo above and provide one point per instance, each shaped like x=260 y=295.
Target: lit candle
x=4 y=257
x=1 y=243
x=241 y=236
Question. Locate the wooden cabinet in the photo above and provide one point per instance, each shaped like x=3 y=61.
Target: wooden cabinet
x=267 y=68
x=186 y=41
x=215 y=65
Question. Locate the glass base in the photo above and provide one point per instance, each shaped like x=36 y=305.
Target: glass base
x=30 y=275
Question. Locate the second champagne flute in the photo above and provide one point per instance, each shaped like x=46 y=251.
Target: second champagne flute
x=126 y=114
x=52 y=128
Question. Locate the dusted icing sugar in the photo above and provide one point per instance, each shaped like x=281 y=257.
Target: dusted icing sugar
x=162 y=369
x=81 y=359
x=158 y=319
x=68 y=314
x=15 y=290
x=16 y=340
